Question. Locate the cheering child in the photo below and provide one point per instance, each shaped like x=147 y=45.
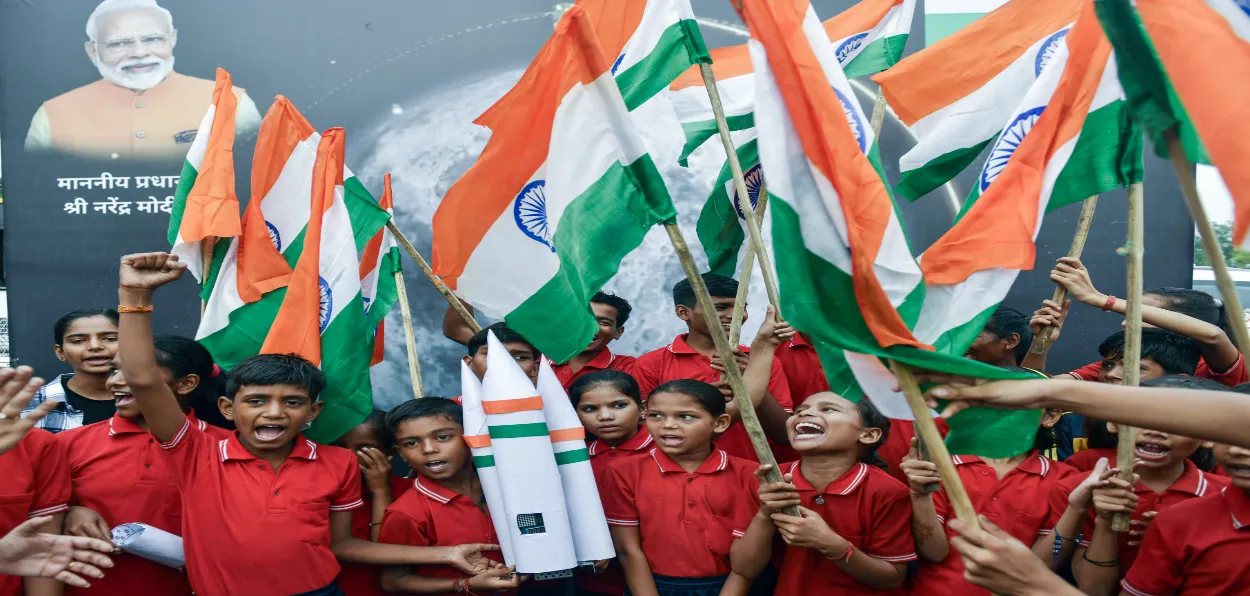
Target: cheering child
x=853 y=534
x=372 y=444
x=87 y=341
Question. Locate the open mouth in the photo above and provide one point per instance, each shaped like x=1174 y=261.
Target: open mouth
x=123 y=399
x=808 y=431
x=436 y=466
x=671 y=440
x=1152 y=451
x=1238 y=472
x=268 y=432
x=98 y=361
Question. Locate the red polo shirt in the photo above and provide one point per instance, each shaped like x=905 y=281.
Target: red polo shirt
x=1198 y=548
x=604 y=360
x=1085 y=459
x=680 y=361
x=1193 y=483
x=363 y=579
x=865 y=506
x=898 y=444
x=612 y=580
x=687 y=522
x=35 y=481
x=1234 y=376
x=1016 y=503
x=804 y=374
x=119 y=472
x=431 y=515
x=245 y=526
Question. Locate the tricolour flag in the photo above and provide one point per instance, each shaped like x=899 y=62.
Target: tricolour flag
x=847 y=275
x=378 y=266
x=205 y=206
x=562 y=192
x=955 y=95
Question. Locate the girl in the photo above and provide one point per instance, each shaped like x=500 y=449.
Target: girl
x=87 y=341
x=1012 y=493
x=120 y=476
x=853 y=536
x=372 y=443
x=609 y=405
x=675 y=514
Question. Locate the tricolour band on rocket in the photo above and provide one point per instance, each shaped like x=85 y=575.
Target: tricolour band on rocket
x=477 y=435
x=591 y=539
x=533 y=495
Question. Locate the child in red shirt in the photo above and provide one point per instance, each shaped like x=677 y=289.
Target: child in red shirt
x=36 y=484
x=675 y=513
x=120 y=475
x=611 y=312
x=854 y=536
x=372 y=444
x=610 y=407
x=446 y=506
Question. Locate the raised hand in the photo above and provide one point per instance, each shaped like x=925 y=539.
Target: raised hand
x=920 y=474
x=1072 y=274
x=70 y=559
x=775 y=496
x=1116 y=496
x=774 y=331
x=376 y=468
x=1049 y=316
x=17 y=388
x=1083 y=495
x=148 y=271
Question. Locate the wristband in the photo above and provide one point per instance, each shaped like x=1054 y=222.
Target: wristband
x=1110 y=304
x=846 y=556
x=121 y=308
x=1111 y=563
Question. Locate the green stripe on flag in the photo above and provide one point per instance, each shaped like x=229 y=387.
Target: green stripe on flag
x=698 y=133
x=186 y=181
x=387 y=292
x=919 y=182
x=719 y=228
x=679 y=47
x=939 y=26
x=878 y=56
x=572 y=456
x=519 y=431
x=483 y=461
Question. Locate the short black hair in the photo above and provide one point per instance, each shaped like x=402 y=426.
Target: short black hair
x=1175 y=353
x=376 y=420
x=620 y=304
x=615 y=379
x=502 y=333
x=709 y=397
x=426 y=407
x=718 y=286
x=1007 y=321
x=62 y=324
x=1194 y=303
x=871 y=417
x=276 y=369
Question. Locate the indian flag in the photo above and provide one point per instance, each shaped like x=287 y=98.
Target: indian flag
x=205 y=206
x=944 y=17
x=378 y=266
x=955 y=95
x=1179 y=85
x=837 y=237
x=562 y=192
x=722 y=222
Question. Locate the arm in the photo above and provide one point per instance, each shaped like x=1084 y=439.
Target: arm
x=17 y=388
x=376 y=468
x=465 y=557
x=765 y=378
x=44 y=586
x=454 y=327
x=749 y=555
x=1075 y=509
x=402 y=579
x=28 y=552
x=628 y=543
x=1096 y=568
x=997 y=562
x=926 y=526
x=1047 y=319
x=811 y=531
x=141 y=275
x=736 y=585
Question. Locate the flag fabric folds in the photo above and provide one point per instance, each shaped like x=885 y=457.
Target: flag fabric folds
x=378 y=265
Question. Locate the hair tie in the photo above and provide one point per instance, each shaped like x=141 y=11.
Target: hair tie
x=216 y=371
x=1219 y=303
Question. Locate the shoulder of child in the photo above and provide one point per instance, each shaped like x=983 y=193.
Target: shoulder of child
x=881 y=482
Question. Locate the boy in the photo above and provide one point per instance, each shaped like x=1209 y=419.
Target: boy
x=1004 y=341
x=373 y=446
x=446 y=506
x=525 y=354
x=266 y=511
x=693 y=356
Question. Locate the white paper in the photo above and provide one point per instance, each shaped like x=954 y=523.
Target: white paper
x=151 y=543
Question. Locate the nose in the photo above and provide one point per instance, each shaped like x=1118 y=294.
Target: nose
x=604 y=414
x=273 y=409
x=115 y=381
x=95 y=344
x=429 y=447
x=669 y=422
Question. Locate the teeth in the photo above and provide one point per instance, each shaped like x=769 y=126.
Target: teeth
x=807 y=428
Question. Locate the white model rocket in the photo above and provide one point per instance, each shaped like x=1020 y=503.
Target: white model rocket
x=537 y=523
x=477 y=435
x=591 y=539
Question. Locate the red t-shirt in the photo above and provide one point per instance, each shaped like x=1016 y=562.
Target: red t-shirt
x=804 y=373
x=1198 y=548
x=612 y=580
x=898 y=444
x=363 y=579
x=1234 y=376
x=1086 y=459
x=604 y=360
x=35 y=482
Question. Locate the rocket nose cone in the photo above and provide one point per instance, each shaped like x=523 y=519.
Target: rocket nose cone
x=504 y=377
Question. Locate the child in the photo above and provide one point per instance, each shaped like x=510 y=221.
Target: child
x=265 y=509
x=1011 y=493
x=1004 y=341
x=611 y=312
x=120 y=475
x=1165 y=477
x=610 y=407
x=446 y=506
x=373 y=445
x=525 y=354
x=1199 y=546
x=675 y=514
x=693 y=356
x=854 y=535
x=87 y=340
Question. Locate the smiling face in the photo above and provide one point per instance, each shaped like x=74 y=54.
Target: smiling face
x=828 y=423
x=693 y=316
x=605 y=315
x=1236 y=462
x=680 y=425
x=269 y=417
x=89 y=345
x=133 y=48
x=608 y=414
x=433 y=446
x=1158 y=450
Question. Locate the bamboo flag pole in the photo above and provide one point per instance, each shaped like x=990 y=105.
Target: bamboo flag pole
x=1228 y=290
x=1126 y=443
x=740 y=185
x=1041 y=343
x=442 y=288
x=746 y=409
x=410 y=337
x=878 y=112
x=744 y=277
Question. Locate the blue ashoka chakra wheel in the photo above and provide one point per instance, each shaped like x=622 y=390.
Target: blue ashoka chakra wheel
x=852 y=43
x=754 y=178
x=1007 y=144
x=366 y=301
x=327 y=303
x=274 y=236
x=1047 y=51
x=852 y=118
x=616 y=65
x=1244 y=5
x=530 y=212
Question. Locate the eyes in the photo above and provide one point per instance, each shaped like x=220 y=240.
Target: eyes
x=684 y=416
x=260 y=402
x=80 y=340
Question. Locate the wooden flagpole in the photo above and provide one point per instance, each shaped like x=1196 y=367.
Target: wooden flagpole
x=1041 y=343
x=1126 y=442
x=746 y=409
x=442 y=288
x=744 y=277
x=410 y=337
x=878 y=112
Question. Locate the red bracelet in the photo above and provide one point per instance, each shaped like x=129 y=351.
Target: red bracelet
x=1110 y=303
x=845 y=557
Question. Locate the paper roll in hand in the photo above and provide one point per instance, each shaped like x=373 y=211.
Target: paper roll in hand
x=153 y=544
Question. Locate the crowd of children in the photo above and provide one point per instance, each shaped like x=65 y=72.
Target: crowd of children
x=148 y=429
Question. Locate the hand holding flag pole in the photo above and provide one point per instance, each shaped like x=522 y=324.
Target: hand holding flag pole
x=442 y=288
x=1126 y=443
x=1041 y=343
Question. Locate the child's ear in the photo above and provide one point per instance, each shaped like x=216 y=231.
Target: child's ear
x=316 y=409
x=1051 y=417
x=721 y=423
x=60 y=354
x=1011 y=341
x=226 y=405
x=619 y=332
x=683 y=312
x=870 y=436
x=467 y=359
x=186 y=385
x=1112 y=428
